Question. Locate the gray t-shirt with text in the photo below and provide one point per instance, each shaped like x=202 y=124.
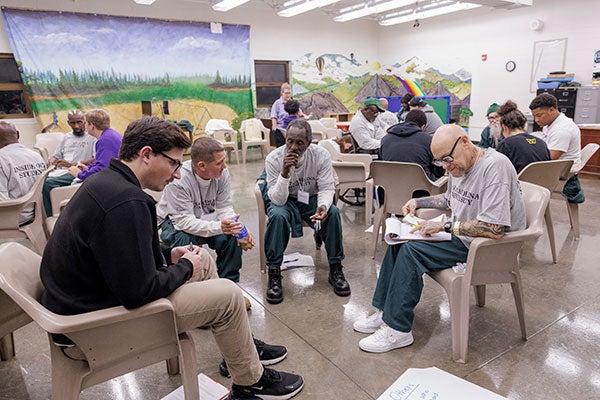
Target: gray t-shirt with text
x=489 y=192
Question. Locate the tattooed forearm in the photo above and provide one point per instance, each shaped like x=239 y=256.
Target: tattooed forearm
x=476 y=228
x=437 y=201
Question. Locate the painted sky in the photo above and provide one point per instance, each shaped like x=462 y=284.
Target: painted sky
x=47 y=41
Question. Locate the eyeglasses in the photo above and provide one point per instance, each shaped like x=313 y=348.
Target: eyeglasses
x=447 y=159
x=175 y=162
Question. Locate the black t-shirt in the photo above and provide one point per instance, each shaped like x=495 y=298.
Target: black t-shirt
x=523 y=149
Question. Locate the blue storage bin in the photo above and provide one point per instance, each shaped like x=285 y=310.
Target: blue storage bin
x=547 y=85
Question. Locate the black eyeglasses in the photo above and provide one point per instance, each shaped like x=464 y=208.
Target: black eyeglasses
x=447 y=159
x=175 y=162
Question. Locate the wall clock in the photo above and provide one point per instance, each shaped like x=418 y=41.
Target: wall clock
x=510 y=66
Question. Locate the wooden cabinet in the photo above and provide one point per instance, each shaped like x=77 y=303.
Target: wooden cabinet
x=591 y=134
x=341 y=117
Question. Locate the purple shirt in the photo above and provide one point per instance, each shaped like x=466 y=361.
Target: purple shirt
x=287 y=120
x=107 y=147
x=278 y=112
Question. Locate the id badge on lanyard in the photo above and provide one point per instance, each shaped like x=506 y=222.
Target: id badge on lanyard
x=303 y=197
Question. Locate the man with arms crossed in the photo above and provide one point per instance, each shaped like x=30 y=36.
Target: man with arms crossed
x=105 y=252
x=485 y=199
x=562 y=137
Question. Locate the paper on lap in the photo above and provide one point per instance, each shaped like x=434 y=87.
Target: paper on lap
x=397 y=231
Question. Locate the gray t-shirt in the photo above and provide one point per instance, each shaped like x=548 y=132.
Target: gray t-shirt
x=314 y=174
x=489 y=192
x=19 y=169
x=74 y=148
x=195 y=205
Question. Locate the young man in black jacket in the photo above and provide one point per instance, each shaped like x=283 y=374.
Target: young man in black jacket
x=105 y=252
x=406 y=142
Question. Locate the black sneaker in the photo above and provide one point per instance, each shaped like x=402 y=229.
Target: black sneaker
x=275 y=290
x=273 y=385
x=268 y=354
x=338 y=281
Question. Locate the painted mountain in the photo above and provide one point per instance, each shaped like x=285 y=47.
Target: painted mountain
x=350 y=82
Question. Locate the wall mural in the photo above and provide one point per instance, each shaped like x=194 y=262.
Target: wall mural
x=72 y=60
x=336 y=83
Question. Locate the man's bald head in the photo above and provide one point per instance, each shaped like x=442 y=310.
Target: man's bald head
x=451 y=146
x=384 y=102
x=444 y=138
x=8 y=133
x=76 y=122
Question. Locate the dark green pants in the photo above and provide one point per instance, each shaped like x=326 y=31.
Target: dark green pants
x=279 y=227
x=51 y=183
x=229 y=254
x=400 y=281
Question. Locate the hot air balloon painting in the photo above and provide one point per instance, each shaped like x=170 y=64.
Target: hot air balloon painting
x=320 y=62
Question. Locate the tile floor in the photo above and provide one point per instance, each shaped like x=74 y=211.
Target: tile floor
x=562 y=301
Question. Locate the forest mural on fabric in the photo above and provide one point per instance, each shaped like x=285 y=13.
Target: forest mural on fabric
x=85 y=61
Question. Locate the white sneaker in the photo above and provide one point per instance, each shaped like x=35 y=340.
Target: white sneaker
x=386 y=339
x=369 y=324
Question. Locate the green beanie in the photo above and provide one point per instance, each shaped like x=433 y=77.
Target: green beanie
x=493 y=108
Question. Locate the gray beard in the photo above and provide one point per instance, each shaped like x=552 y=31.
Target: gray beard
x=496 y=132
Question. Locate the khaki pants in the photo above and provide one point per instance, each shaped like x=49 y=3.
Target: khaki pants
x=219 y=304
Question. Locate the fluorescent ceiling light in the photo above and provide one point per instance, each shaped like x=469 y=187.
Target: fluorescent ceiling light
x=226 y=5
x=369 y=8
x=146 y=2
x=295 y=7
x=399 y=19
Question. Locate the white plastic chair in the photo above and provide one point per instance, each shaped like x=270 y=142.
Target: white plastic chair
x=220 y=130
x=113 y=341
x=546 y=174
x=492 y=261
x=46 y=143
x=352 y=171
x=323 y=131
x=254 y=133
x=573 y=208
x=12 y=317
x=399 y=181
x=10 y=211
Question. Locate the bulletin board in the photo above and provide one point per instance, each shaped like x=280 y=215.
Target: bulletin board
x=548 y=56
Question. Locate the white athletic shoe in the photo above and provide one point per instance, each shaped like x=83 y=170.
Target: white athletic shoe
x=369 y=324
x=386 y=339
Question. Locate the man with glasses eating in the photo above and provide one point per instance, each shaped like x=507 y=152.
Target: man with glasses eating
x=484 y=197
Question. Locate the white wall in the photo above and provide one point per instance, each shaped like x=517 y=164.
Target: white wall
x=271 y=37
x=460 y=39
x=453 y=41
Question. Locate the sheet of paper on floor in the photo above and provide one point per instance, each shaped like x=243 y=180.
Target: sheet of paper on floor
x=434 y=383
x=297 y=260
x=209 y=390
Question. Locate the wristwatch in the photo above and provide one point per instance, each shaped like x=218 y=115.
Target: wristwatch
x=448 y=226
